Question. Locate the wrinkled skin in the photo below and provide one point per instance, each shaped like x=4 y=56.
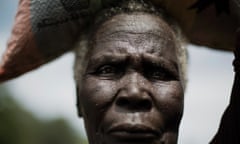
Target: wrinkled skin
x=131 y=92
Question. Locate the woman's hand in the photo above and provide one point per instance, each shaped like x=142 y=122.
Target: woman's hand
x=235 y=9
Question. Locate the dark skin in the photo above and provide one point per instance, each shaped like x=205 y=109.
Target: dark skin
x=131 y=92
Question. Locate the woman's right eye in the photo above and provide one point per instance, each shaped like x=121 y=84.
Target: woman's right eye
x=108 y=71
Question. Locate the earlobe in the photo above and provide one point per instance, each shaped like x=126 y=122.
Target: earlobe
x=78 y=102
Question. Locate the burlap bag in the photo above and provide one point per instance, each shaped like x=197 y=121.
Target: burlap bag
x=46 y=29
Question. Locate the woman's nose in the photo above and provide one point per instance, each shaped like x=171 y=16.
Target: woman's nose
x=135 y=94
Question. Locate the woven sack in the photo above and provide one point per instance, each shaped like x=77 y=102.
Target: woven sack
x=46 y=29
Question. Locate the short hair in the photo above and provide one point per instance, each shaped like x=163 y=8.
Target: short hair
x=128 y=7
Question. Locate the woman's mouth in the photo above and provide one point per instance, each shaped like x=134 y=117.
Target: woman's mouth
x=135 y=132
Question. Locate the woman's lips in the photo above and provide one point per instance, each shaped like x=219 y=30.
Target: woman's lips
x=134 y=132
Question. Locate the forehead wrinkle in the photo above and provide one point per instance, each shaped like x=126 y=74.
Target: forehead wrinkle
x=135 y=22
x=135 y=43
x=122 y=34
x=138 y=22
x=126 y=26
x=137 y=40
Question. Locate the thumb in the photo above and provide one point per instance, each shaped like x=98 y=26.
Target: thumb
x=236 y=62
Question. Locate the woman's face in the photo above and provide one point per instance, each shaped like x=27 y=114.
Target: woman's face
x=131 y=91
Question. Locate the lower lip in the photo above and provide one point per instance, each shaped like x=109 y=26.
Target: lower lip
x=139 y=136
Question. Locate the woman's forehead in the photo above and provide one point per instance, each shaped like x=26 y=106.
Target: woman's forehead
x=136 y=32
x=137 y=22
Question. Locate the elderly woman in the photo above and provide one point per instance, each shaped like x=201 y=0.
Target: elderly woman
x=130 y=74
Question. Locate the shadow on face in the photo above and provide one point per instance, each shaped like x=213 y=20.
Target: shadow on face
x=131 y=90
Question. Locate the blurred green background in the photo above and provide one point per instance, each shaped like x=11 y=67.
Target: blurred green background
x=19 y=126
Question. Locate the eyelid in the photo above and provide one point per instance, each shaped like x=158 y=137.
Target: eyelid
x=104 y=67
x=168 y=68
x=116 y=67
x=159 y=61
x=172 y=72
x=106 y=59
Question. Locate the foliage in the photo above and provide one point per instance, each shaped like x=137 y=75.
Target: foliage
x=18 y=126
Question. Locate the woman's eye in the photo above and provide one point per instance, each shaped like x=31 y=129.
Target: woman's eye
x=107 y=70
x=159 y=74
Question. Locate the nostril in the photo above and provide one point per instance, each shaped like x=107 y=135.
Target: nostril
x=134 y=104
x=122 y=102
x=145 y=104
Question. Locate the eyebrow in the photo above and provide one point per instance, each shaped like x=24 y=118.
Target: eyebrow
x=107 y=58
x=147 y=59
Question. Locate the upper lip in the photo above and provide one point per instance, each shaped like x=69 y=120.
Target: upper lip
x=135 y=128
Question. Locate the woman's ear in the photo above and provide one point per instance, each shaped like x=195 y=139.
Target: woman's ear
x=78 y=101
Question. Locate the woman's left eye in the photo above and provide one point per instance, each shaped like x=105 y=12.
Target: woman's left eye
x=158 y=74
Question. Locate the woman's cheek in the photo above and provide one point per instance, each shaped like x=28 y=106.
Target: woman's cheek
x=98 y=93
x=169 y=98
